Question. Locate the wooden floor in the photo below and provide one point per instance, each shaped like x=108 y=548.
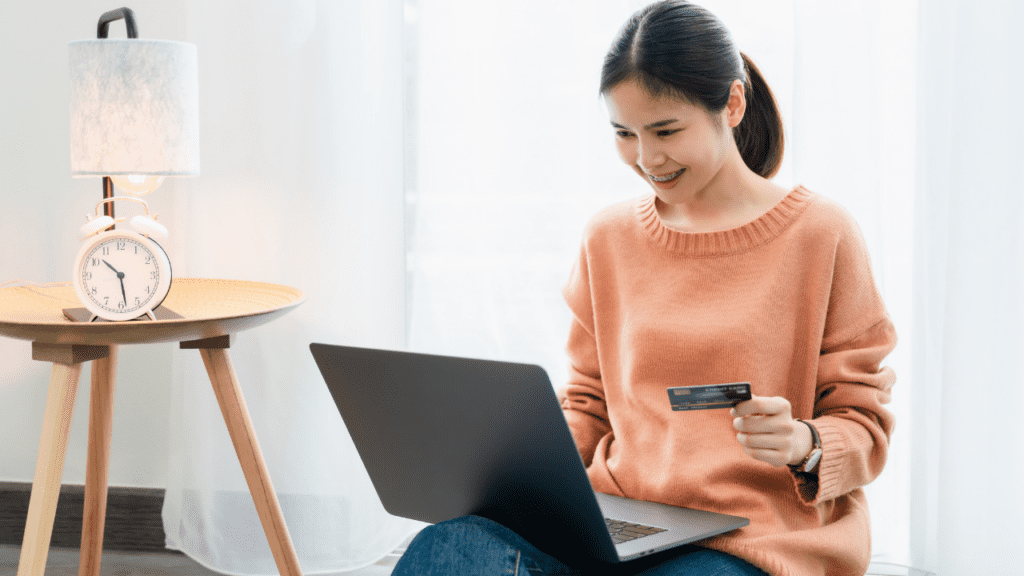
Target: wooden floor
x=64 y=562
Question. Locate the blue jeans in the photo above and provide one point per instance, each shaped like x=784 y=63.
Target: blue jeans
x=473 y=545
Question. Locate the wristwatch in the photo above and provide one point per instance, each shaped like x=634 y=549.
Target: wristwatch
x=811 y=461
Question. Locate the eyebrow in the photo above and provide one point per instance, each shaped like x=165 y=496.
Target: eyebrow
x=649 y=126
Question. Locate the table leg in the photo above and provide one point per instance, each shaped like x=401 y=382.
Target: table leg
x=236 y=416
x=42 y=506
x=101 y=410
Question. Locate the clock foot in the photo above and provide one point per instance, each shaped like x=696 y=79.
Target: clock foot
x=83 y=315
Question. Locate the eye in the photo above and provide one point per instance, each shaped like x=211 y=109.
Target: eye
x=622 y=133
x=664 y=133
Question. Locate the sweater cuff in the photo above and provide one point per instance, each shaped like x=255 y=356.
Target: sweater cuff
x=825 y=483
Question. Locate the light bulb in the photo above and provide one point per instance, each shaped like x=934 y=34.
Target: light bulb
x=137 y=184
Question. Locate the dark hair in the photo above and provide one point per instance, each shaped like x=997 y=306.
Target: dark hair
x=678 y=49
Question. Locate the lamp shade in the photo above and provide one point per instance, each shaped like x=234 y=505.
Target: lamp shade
x=134 y=108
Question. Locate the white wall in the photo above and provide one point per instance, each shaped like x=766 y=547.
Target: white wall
x=45 y=207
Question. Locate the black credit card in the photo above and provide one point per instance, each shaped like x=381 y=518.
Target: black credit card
x=708 y=397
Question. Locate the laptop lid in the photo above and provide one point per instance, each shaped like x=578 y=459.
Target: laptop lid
x=444 y=437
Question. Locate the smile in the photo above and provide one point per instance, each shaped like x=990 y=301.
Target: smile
x=666 y=177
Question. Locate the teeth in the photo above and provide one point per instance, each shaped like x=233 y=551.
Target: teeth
x=666 y=178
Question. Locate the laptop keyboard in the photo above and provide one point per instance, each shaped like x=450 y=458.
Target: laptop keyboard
x=623 y=531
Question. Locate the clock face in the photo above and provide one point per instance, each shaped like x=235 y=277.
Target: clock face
x=122 y=275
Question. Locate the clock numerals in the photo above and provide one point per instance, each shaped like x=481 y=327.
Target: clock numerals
x=122 y=276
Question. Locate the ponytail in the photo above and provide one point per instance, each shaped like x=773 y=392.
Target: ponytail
x=759 y=136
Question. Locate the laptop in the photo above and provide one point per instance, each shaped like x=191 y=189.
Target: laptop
x=444 y=437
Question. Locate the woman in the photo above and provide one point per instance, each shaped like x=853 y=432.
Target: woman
x=719 y=276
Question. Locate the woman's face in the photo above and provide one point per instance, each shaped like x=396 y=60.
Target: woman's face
x=675 y=146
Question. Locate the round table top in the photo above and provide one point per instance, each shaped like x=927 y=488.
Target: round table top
x=209 y=308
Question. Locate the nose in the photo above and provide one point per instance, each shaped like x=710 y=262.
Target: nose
x=649 y=155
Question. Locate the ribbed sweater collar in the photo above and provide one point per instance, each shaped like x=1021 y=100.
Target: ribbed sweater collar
x=710 y=244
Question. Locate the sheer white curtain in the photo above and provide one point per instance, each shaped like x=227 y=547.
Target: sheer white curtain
x=301 y=185
x=968 y=469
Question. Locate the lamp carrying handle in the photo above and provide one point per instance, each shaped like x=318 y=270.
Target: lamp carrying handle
x=101 y=32
x=110 y=200
x=113 y=16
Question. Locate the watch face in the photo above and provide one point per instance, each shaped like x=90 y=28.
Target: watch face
x=121 y=275
x=812 y=460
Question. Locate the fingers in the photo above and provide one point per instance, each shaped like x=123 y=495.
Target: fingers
x=762 y=405
x=765 y=429
x=763 y=424
x=775 y=449
x=764 y=441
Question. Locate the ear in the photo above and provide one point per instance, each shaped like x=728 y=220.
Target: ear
x=737 y=105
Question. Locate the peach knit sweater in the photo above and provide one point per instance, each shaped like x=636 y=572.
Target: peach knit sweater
x=786 y=302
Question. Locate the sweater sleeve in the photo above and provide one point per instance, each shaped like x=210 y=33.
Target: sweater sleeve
x=852 y=386
x=583 y=399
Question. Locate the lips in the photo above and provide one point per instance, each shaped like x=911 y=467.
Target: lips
x=665 y=178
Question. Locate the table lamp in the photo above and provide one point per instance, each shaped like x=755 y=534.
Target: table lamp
x=134 y=109
x=134 y=121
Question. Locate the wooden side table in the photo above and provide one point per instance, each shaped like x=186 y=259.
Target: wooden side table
x=209 y=313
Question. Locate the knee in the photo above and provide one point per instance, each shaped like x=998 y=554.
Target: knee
x=470 y=528
x=466 y=545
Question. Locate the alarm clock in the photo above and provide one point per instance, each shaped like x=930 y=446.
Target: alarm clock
x=121 y=274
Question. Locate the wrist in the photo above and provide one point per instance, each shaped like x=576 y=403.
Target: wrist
x=803 y=443
x=809 y=453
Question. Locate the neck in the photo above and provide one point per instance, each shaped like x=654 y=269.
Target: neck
x=735 y=196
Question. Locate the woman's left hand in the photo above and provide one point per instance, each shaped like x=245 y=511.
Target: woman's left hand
x=767 y=431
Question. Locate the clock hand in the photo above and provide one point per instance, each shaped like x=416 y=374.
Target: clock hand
x=120 y=276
